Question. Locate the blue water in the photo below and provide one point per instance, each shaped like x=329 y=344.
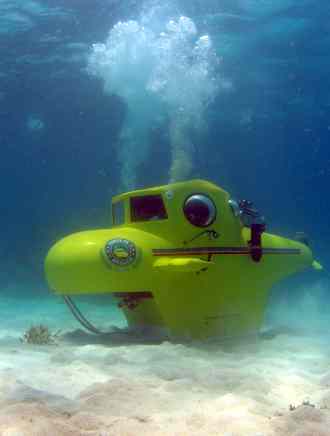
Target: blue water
x=266 y=134
x=100 y=96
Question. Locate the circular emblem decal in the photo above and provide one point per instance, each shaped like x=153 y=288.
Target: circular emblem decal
x=120 y=252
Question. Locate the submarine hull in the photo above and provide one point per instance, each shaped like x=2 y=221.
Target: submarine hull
x=184 y=257
x=225 y=298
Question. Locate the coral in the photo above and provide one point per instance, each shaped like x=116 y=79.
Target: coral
x=40 y=335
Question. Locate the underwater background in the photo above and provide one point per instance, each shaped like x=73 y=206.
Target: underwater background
x=236 y=92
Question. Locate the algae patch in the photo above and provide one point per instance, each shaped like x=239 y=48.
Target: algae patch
x=40 y=335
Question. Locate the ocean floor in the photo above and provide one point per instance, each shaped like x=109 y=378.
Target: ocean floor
x=123 y=384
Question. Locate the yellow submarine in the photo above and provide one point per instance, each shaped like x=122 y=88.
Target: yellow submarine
x=183 y=257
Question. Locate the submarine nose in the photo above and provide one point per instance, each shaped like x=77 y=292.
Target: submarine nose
x=99 y=261
x=92 y=262
x=74 y=264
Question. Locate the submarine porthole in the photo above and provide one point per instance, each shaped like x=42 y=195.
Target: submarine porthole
x=199 y=210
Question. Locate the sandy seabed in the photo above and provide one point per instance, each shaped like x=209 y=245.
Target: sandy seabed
x=125 y=385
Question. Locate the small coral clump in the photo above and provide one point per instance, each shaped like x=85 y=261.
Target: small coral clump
x=40 y=335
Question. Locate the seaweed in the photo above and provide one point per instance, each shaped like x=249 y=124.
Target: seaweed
x=40 y=335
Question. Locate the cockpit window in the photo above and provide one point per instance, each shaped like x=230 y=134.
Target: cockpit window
x=118 y=213
x=147 y=208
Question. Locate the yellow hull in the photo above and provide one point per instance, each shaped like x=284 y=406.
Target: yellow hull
x=167 y=273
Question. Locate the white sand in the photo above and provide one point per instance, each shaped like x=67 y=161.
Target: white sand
x=122 y=385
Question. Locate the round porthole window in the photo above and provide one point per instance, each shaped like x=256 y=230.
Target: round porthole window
x=199 y=210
